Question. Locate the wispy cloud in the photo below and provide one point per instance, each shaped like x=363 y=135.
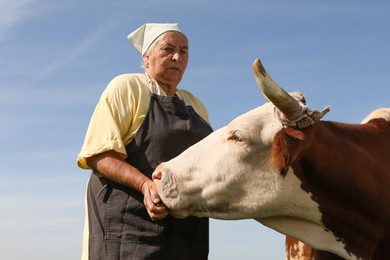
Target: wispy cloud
x=13 y=13
x=72 y=54
x=16 y=13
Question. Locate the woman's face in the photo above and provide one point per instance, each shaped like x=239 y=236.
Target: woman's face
x=168 y=58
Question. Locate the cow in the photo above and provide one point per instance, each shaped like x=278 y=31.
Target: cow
x=295 y=249
x=324 y=183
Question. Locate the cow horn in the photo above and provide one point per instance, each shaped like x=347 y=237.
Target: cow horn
x=274 y=93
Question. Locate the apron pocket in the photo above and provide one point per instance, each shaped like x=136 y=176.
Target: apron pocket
x=126 y=215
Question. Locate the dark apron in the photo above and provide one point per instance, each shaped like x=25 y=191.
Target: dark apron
x=119 y=225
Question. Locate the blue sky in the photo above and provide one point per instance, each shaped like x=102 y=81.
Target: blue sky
x=56 y=58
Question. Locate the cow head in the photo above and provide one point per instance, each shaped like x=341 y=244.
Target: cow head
x=215 y=177
x=263 y=165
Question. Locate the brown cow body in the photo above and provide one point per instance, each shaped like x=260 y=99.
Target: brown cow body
x=297 y=250
x=351 y=190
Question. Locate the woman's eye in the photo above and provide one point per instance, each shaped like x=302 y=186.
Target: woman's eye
x=168 y=50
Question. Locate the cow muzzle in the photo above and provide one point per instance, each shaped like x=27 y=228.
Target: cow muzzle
x=166 y=185
x=167 y=190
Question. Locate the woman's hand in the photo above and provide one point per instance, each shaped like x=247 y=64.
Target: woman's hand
x=112 y=166
x=155 y=207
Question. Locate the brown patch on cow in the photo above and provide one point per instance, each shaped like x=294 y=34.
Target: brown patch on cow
x=346 y=168
x=285 y=149
x=379 y=123
x=297 y=250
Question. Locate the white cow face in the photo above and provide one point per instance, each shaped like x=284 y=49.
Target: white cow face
x=228 y=174
x=216 y=176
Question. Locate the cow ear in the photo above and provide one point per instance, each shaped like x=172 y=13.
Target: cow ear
x=285 y=149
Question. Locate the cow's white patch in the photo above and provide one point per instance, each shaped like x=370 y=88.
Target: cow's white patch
x=378 y=113
x=300 y=218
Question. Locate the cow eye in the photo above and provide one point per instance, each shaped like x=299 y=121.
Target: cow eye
x=237 y=138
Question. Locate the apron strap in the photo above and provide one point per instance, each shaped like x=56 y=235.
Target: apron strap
x=155 y=89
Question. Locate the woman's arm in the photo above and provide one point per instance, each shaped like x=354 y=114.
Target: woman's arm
x=116 y=169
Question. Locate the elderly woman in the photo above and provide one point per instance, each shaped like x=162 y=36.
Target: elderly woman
x=140 y=121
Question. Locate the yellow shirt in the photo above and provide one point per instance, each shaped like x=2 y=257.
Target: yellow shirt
x=120 y=112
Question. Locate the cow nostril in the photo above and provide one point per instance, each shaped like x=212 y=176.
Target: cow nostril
x=156 y=176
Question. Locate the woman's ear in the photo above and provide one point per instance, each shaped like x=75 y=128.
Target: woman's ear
x=146 y=61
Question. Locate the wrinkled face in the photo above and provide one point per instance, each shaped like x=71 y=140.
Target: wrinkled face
x=226 y=175
x=167 y=59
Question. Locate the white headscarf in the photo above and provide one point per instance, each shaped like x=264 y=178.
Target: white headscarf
x=144 y=36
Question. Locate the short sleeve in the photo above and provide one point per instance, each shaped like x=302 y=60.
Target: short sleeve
x=115 y=118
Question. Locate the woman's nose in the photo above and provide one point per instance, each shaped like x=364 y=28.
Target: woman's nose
x=176 y=56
